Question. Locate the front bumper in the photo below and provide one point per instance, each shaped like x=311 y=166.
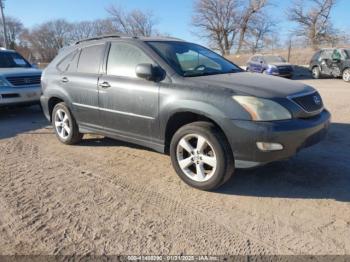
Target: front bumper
x=15 y=96
x=284 y=73
x=294 y=135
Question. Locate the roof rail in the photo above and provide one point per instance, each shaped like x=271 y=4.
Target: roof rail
x=103 y=37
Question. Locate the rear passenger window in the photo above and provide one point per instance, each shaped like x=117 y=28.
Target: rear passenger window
x=326 y=54
x=64 y=65
x=90 y=59
x=123 y=59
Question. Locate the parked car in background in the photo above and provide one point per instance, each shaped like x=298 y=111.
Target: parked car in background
x=183 y=99
x=19 y=80
x=270 y=65
x=331 y=62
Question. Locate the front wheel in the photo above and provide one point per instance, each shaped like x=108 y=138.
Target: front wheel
x=316 y=74
x=346 y=75
x=201 y=155
x=64 y=125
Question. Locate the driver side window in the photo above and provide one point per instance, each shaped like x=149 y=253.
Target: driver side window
x=192 y=60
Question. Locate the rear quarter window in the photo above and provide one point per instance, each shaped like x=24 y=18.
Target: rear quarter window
x=65 y=63
x=315 y=56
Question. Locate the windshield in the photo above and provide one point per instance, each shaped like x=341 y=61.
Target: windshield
x=274 y=59
x=190 y=60
x=9 y=60
x=348 y=53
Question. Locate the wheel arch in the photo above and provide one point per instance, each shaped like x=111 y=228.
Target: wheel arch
x=53 y=101
x=180 y=118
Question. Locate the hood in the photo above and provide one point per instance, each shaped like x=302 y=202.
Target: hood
x=253 y=84
x=17 y=71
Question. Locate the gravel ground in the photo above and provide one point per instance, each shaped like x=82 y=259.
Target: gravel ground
x=107 y=197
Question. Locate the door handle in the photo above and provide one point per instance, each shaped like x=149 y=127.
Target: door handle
x=64 y=80
x=104 y=85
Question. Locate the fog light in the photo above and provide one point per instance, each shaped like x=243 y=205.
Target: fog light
x=266 y=147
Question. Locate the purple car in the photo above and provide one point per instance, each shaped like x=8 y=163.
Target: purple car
x=270 y=65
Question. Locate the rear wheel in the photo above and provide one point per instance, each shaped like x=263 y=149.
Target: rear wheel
x=316 y=73
x=201 y=155
x=346 y=75
x=65 y=126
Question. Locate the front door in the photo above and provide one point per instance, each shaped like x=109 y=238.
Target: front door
x=128 y=104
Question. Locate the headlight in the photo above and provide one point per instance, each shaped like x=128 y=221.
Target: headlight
x=3 y=83
x=273 y=68
x=261 y=109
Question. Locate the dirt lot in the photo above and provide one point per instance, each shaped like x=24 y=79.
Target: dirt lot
x=108 y=197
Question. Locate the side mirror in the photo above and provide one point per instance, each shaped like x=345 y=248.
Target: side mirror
x=261 y=61
x=145 y=71
x=35 y=65
x=149 y=72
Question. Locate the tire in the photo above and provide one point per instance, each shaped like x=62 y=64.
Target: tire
x=65 y=126
x=316 y=73
x=346 y=75
x=192 y=168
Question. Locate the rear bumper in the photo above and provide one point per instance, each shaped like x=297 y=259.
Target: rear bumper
x=293 y=135
x=15 y=96
x=45 y=106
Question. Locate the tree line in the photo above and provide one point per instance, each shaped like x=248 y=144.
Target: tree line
x=227 y=25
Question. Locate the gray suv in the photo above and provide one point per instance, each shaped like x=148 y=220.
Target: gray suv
x=180 y=98
x=19 y=80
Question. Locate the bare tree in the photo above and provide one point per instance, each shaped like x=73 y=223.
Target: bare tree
x=86 y=29
x=46 y=39
x=14 y=29
x=260 y=32
x=217 y=20
x=253 y=8
x=313 y=23
x=134 y=23
x=104 y=27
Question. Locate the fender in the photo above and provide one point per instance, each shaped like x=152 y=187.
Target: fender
x=191 y=106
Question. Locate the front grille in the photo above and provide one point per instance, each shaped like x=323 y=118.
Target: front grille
x=285 y=70
x=24 y=80
x=9 y=95
x=310 y=103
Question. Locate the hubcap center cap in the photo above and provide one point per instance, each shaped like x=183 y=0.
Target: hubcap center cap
x=197 y=158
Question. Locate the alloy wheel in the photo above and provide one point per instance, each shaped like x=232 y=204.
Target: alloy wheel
x=346 y=75
x=196 y=157
x=315 y=73
x=62 y=124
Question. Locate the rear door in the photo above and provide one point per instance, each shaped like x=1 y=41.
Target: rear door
x=82 y=85
x=128 y=104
